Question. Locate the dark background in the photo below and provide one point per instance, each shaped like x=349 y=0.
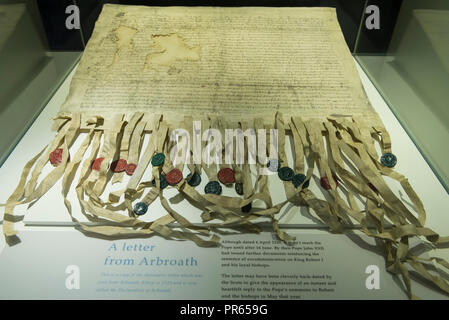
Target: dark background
x=350 y=14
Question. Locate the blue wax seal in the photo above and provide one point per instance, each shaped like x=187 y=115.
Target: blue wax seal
x=239 y=188
x=247 y=208
x=388 y=160
x=298 y=179
x=193 y=179
x=286 y=173
x=213 y=187
x=163 y=183
x=140 y=208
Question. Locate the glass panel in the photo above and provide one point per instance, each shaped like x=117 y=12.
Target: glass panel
x=413 y=77
x=30 y=72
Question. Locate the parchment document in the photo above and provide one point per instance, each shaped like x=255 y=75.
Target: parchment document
x=235 y=62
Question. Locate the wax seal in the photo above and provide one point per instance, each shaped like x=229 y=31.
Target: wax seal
x=213 y=187
x=273 y=165
x=286 y=173
x=163 y=182
x=140 y=208
x=226 y=176
x=193 y=179
x=239 y=188
x=158 y=160
x=388 y=160
x=324 y=181
x=297 y=179
x=130 y=168
x=97 y=164
x=247 y=208
x=56 y=157
x=118 y=165
x=306 y=184
x=173 y=177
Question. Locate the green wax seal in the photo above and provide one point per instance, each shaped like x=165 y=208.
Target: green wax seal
x=193 y=180
x=388 y=160
x=213 y=187
x=286 y=173
x=306 y=184
x=239 y=188
x=298 y=179
x=140 y=208
x=163 y=183
x=158 y=160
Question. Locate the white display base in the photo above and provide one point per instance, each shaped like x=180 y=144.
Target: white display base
x=51 y=212
x=68 y=265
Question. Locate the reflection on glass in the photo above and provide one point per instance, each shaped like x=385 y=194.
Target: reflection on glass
x=413 y=77
x=9 y=17
x=29 y=72
x=423 y=54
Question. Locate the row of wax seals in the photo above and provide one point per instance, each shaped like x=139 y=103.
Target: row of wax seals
x=120 y=165
x=225 y=175
x=173 y=177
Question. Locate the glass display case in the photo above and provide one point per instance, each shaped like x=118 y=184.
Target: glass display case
x=31 y=69
x=400 y=50
x=411 y=73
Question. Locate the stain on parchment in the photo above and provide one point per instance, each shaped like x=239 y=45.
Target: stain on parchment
x=123 y=37
x=171 y=48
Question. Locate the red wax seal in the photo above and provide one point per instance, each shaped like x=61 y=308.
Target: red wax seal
x=130 y=168
x=56 y=157
x=226 y=176
x=97 y=163
x=118 y=165
x=173 y=177
x=324 y=181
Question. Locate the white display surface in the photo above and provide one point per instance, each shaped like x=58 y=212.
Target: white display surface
x=50 y=210
x=68 y=265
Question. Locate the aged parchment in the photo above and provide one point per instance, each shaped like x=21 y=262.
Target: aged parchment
x=237 y=62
